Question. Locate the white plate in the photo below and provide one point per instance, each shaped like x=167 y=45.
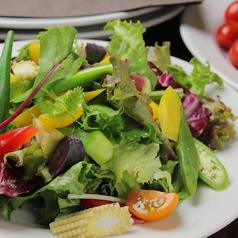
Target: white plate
x=198 y=217
x=97 y=32
x=198 y=28
x=37 y=23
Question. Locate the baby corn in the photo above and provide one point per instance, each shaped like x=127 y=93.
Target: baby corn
x=101 y=221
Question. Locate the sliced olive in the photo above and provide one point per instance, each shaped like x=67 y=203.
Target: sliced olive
x=68 y=152
x=94 y=53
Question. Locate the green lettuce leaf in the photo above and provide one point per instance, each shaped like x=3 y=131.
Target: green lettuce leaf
x=128 y=41
x=31 y=158
x=135 y=164
x=198 y=79
x=159 y=55
x=122 y=93
x=51 y=200
x=57 y=58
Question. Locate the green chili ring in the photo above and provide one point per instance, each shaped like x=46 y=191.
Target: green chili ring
x=211 y=170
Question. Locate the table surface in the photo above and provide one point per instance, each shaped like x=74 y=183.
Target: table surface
x=169 y=31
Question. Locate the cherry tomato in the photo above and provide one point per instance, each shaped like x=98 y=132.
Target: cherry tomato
x=12 y=140
x=227 y=33
x=233 y=54
x=231 y=13
x=151 y=205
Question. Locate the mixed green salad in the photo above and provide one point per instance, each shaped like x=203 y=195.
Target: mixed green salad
x=95 y=119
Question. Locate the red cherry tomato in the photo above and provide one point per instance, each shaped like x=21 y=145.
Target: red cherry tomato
x=227 y=33
x=231 y=13
x=233 y=54
x=151 y=205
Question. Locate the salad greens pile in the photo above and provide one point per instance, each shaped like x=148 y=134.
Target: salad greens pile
x=139 y=154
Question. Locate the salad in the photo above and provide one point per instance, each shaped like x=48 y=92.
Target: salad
x=89 y=119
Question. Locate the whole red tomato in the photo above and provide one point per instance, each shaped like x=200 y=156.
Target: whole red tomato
x=227 y=33
x=231 y=13
x=233 y=54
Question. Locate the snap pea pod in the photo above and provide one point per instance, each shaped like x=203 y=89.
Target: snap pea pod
x=82 y=78
x=188 y=156
x=5 y=68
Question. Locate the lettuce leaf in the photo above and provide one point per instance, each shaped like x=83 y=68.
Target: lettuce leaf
x=122 y=93
x=128 y=41
x=51 y=200
x=133 y=164
x=159 y=55
x=198 y=79
x=57 y=58
x=221 y=127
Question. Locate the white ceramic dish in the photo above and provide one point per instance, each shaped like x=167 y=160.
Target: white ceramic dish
x=96 y=31
x=198 y=217
x=198 y=28
x=38 y=23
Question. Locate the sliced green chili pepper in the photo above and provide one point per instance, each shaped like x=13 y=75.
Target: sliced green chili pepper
x=5 y=69
x=211 y=170
x=188 y=156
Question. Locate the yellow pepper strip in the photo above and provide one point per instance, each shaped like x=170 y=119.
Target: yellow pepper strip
x=12 y=78
x=106 y=59
x=60 y=121
x=34 y=51
x=66 y=120
x=169 y=114
x=88 y=96
x=155 y=110
x=25 y=118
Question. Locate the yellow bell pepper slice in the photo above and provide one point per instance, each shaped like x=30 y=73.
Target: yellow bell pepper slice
x=26 y=117
x=66 y=120
x=169 y=114
x=34 y=51
x=106 y=59
x=88 y=96
x=155 y=110
x=12 y=78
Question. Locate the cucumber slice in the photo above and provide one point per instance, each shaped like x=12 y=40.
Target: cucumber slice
x=211 y=170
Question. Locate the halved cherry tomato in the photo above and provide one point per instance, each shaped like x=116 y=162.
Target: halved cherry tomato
x=233 y=54
x=151 y=205
x=12 y=140
x=227 y=33
x=231 y=13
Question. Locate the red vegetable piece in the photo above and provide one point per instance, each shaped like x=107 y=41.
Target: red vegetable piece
x=12 y=140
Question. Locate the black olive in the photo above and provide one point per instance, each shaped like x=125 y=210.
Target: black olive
x=68 y=152
x=94 y=53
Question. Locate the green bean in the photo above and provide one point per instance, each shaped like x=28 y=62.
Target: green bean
x=82 y=78
x=188 y=156
x=5 y=69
